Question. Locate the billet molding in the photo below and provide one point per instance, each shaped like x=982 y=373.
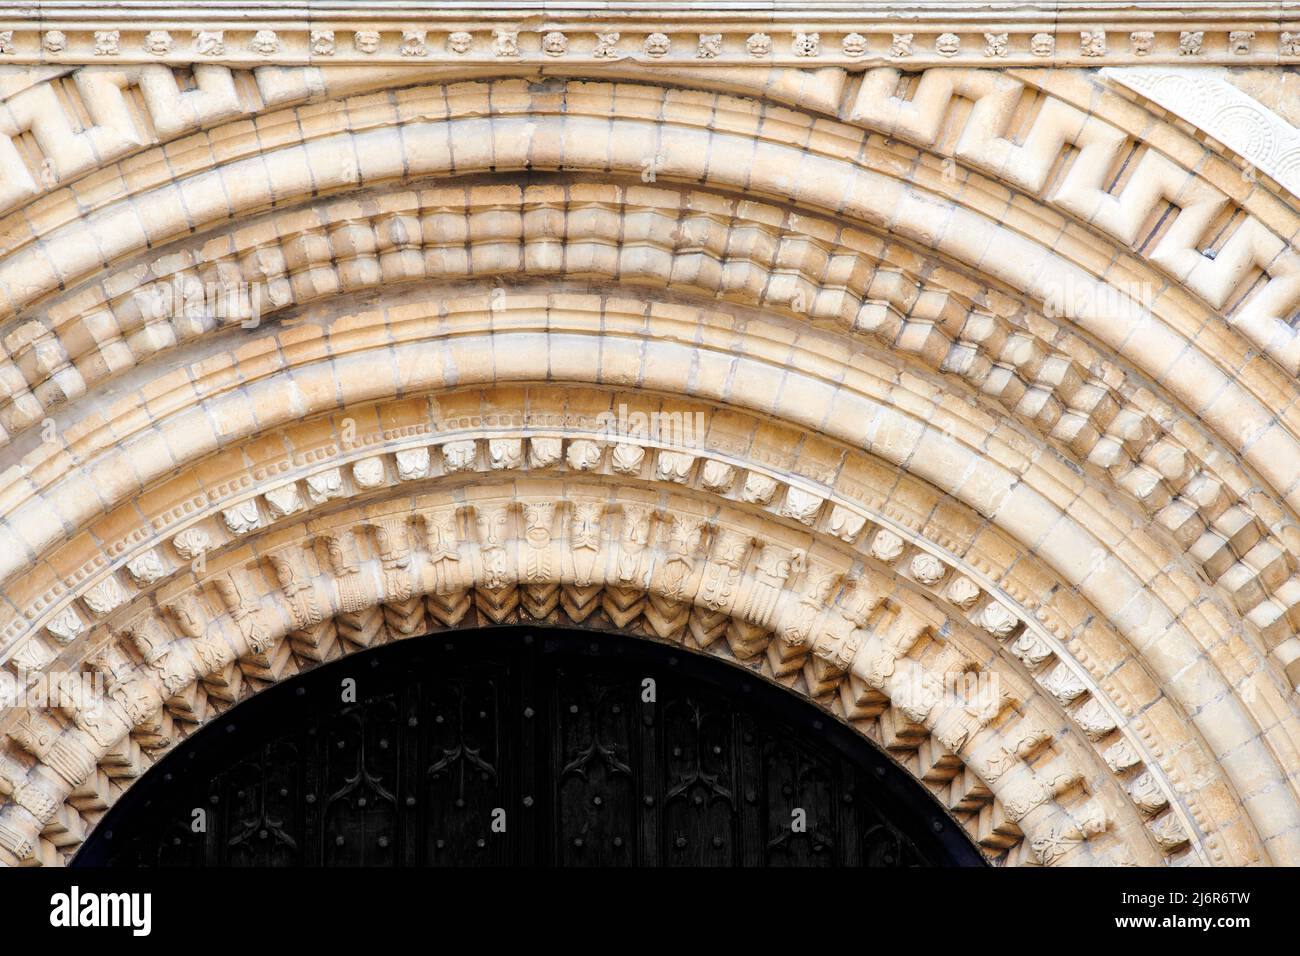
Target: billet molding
x=475 y=459
x=1036 y=585
x=845 y=285
x=506 y=551
x=1218 y=275
x=851 y=224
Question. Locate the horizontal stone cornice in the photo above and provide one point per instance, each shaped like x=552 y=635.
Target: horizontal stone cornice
x=991 y=34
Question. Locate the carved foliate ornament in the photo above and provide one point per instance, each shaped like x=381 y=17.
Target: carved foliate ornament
x=210 y=42
x=1092 y=42
x=674 y=466
x=31 y=655
x=325 y=485
x=412 y=464
x=1094 y=719
x=505 y=43
x=1031 y=649
x=283 y=501
x=758 y=488
x=191 y=543
x=845 y=524
x=146 y=568
x=583 y=455
x=1064 y=684
x=1121 y=756
x=927 y=569
x=886 y=546
x=65 y=626
x=242 y=518
x=963 y=592
x=997 y=620
x=505 y=453
x=105 y=597
x=107 y=42
x=806 y=44
x=802 y=506
x=995 y=44
x=626 y=459
x=1146 y=793
x=717 y=475
x=413 y=43
x=1058 y=840
x=1169 y=833
x=544 y=452
x=605 y=45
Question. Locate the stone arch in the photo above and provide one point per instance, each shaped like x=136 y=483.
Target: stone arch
x=1131 y=523
x=414 y=447
x=1261 y=586
x=467 y=348
x=539 y=550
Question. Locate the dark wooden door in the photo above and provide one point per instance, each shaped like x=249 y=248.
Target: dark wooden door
x=527 y=747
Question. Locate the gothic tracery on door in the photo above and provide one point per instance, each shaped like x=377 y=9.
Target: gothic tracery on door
x=526 y=746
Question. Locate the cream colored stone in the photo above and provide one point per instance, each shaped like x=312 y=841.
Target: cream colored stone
x=959 y=408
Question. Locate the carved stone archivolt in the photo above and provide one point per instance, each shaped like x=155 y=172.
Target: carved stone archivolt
x=668 y=564
x=882 y=361
x=796 y=585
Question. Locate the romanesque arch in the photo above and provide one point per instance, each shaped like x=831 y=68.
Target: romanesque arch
x=865 y=366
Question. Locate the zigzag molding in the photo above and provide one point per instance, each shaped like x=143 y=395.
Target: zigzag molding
x=510 y=552
x=683 y=241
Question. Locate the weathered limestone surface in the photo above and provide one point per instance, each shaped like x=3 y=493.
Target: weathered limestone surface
x=867 y=348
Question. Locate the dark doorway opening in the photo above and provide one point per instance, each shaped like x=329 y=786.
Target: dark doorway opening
x=527 y=746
